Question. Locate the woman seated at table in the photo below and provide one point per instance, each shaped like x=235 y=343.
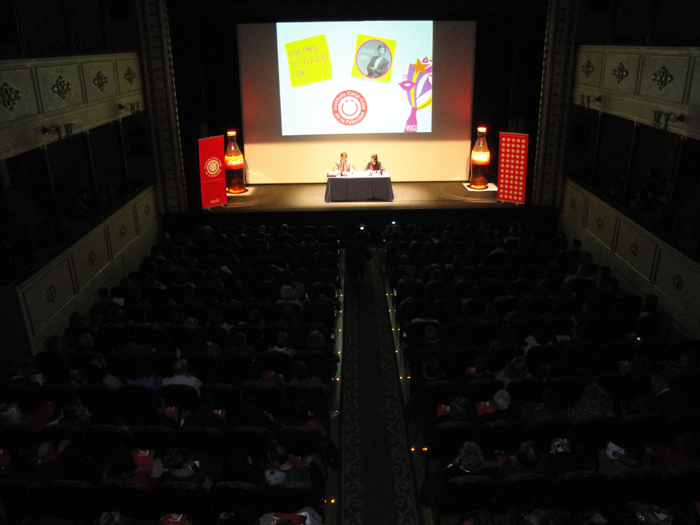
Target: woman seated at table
x=374 y=164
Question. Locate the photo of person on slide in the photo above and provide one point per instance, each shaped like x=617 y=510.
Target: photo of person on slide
x=379 y=64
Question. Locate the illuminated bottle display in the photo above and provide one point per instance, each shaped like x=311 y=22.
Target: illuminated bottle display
x=481 y=158
x=235 y=166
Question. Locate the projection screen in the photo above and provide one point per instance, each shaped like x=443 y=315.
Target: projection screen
x=312 y=90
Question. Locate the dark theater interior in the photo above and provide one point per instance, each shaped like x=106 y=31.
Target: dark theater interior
x=468 y=296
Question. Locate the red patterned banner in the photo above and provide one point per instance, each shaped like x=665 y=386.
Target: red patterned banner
x=212 y=178
x=512 y=167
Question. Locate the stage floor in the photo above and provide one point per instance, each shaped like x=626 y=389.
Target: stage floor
x=407 y=195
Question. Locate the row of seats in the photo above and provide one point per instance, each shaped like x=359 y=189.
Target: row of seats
x=101 y=440
x=130 y=403
x=588 y=437
x=232 y=366
x=79 y=501
x=569 y=492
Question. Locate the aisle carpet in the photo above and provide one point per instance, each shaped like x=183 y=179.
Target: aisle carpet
x=377 y=485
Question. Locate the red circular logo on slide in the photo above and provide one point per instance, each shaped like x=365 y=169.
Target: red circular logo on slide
x=349 y=107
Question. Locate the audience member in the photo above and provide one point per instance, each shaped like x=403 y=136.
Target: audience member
x=181 y=376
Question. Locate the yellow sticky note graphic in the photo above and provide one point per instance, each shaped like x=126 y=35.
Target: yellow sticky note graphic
x=309 y=60
x=374 y=58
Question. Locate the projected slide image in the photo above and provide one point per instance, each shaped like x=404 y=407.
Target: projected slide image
x=355 y=77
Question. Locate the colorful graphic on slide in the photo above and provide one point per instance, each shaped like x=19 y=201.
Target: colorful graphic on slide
x=373 y=58
x=418 y=84
x=309 y=61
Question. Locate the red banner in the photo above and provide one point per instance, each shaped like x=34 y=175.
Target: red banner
x=512 y=167
x=212 y=178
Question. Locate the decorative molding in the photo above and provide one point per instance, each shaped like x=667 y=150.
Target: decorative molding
x=100 y=81
x=62 y=87
x=557 y=83
x=620 y=72
x=662 y=78
x=587 y=69
x=9 y=96
x=122 y=231
x=147 y=209
x=159 y=85
x=600 y=223
x=51 y=294
x=634 y=249
x=92 y=257
x=130 y=75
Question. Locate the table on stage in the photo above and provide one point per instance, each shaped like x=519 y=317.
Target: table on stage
x=360 y=186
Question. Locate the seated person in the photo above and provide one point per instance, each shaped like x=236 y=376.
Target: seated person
x=374 y=164
x=344 y=164
x=460 y=409
x=560 y=459
x=550 y=407
x=502 y=408
x=524 y=461
x=122 y=467
x=470 y=460
x=181 y=376
x=282 y=344
x=178 y=465
x=284 y=467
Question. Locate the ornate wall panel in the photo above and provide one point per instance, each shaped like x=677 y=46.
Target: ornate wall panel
x=589 y=69
x=601 y=223
x=129 y=75
x=680 y=282
x=636 y=249
x=48 y=293
x=71 y=282
x=38 y=97
x=620 y=72
x=657 y=86
x=643 y=262
x=694 y=92
x=664 y=78
x=90 y=257
x=60 y=87
x=100 y=80
x=122 y=229
x=17 y=94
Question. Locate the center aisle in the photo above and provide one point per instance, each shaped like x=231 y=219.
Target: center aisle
x=376 y=479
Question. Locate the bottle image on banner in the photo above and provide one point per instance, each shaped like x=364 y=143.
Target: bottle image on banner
x=234 y=165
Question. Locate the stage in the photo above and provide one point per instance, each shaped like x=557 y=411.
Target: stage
x=414 y=202
x=407 y=196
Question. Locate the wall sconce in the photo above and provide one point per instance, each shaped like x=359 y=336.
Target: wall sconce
x=661 y=119
x=68 y=129
x=132 y=107
x=587 y=99
x=56 y=129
